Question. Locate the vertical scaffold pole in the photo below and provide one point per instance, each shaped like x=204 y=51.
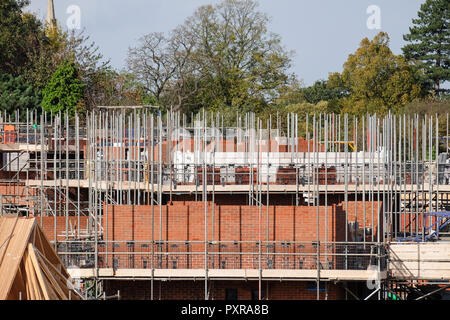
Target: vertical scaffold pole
x=205 y=199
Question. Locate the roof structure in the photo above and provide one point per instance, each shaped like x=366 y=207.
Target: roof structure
x=30 y=269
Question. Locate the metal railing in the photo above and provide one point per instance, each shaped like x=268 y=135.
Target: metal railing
x=271 y=255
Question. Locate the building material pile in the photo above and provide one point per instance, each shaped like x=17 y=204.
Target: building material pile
x=30 y=269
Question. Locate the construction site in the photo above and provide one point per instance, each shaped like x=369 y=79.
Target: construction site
x=140 y=204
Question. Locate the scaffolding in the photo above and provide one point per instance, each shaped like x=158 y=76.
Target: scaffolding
x=70 y=172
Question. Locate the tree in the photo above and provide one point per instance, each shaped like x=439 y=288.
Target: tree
x=429 y=45
x=321 y=91
x=153 y=62
x=91 y=65
x=222 y=57
x=65 y=90
x=59 y=46
x=19 y=33
x=16 y=94
x=29 y=49
x=375 y=79
x=244 y=64
x=44 y=58
x=116 y=89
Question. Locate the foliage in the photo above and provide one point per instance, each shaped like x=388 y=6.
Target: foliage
x=121 y=89
x=61 y=46
x=376 y=79
x=65 y=90
x=321 y=91
x=92 y=66
x=34 y=51
x=44 y=59
x=222 y=57
x=19 y=34
x=16 y=94
x=429 y=46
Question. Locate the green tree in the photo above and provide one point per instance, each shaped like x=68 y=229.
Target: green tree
x=44 y=58
x=117 y=89
x=65 y=90
x=32 y=50
x=19 y=34
x=321 y=91
x=16 y=94
x=92 y=66
x=429 y=45
x=376 y=80
x=59 y=46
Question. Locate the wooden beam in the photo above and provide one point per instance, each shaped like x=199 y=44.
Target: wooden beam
x=20 y=229
x=62 y=277
x=31 y=279
x=59 y=290
x=59 y=277
x=38 y=271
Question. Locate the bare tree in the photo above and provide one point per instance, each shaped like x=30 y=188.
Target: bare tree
x=222 y=56
x=187 y=77
x=152 y=62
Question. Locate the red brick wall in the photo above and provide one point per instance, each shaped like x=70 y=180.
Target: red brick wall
x=15 y=189
x=242 y=199
x=48 y=226
x=410 y=222
x=233 y=227
x=365 y=220
x=184 y=221
x=194 y=290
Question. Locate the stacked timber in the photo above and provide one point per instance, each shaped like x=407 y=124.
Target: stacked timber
x=30 y=269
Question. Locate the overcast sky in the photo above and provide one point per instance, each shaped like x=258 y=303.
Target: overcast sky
x=321 y=32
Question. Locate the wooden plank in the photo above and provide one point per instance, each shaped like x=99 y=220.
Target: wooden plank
x=421 y=274
x=276 y=188
x=63 y=281
x=14 y=251
x=17 y=287
x=53 y=281
x=53 y=266
x=31 y=280
x=359 y=275
x=420 y=265
x=404 y=255
x=38 y=272
x=433 y=252
x=57 y=274
x=7 y=226
x=413 y=247
x=26 y=282
x=49 y=252
x=39 y=244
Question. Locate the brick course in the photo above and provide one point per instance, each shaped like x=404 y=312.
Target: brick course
x=194 y=290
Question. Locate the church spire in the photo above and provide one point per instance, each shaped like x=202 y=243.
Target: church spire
x=51 y=18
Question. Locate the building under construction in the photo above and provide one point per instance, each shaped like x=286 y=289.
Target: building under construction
x=140 y=205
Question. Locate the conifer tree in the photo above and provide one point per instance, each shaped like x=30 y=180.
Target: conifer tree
x=429 y=45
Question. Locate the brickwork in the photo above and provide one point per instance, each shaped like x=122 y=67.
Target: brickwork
x=184 y=221
x=48 y=226
x=16 y=193
x=237 y=230
x=242 y=199
x=194 y=290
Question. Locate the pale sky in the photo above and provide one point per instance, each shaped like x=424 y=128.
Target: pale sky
x=321 y=32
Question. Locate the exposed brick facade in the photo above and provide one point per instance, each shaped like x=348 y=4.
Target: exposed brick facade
x=246 y=290
x=236 y=229
x=48 y=226
x=184 y=221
